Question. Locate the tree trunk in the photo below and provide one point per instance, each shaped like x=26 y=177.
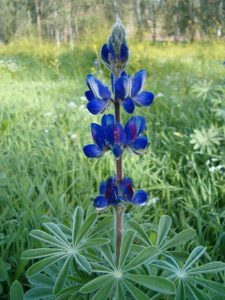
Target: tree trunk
x=38 y=17
x=57 y=33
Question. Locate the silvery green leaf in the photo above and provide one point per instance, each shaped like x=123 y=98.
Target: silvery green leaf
x=16 y=291
x=163 y=229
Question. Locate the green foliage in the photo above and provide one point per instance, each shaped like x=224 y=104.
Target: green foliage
x=136 y=274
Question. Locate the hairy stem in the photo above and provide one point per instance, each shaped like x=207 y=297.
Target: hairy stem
x=118 y=209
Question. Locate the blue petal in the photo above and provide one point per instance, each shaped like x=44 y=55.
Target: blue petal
x=100 y=90
x=105 y=53
x=115 y=134
x=138 y=82
x=90 y=95
x=107 y=119
x=144 y=99
x=141 y=142
x=140 y=198
x=134 y=127
x=98 y=135
x=127 y=188
x=122 y=87
x=111 y=51
x=103 y=187
x=124 y=53
x=100 y=202
x=130 y=130
x=128 y=105
x=92 y=151
x=96 y=106
x=117 y=151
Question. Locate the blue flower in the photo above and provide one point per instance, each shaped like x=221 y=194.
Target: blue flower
x=107 y=136
x=115 y=61
x=134 y=139
x=114 y=194
x=112 y=136
x=115 y=53
x=98 y=95
x=129 y=91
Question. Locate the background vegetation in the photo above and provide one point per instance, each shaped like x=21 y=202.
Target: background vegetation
x=44 y=122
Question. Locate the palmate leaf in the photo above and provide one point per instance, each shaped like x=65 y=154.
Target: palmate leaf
x=65 y=247
x=119 y=276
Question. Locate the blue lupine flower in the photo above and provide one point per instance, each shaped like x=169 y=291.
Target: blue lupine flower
x=98 y=96
x=129 y=91
x=133 y=130
x=115 y=60
x=113 y=194
x=115 y=53
x=108 y=136
x=112 y=136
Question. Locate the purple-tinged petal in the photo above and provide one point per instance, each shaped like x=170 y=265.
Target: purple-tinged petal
x=105 y=53
x=107 y=120
x=115 y=134
x=98 y=135
x=130 y=130
x=127 y=188
x=90 y=95
x=138 y=82
x=128 y=105
x=100 y=203
x=140 y=198
x=103 y=188
x=122 y=87
x=141 y=142
x=92 y=151
x=124 y=53
x=144 y=99
x=96 y=106
x=117 y=151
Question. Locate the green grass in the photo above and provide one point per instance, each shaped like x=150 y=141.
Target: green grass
x=43 y=172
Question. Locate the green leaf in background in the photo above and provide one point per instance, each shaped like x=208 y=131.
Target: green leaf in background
x=97 y=283
x=140 y=232
x=163 y=229
x=77 y=222
x=180 y=238
x=3 y=271
x=42 y=264
x=144 y=256
x=212 y=267
x=135 y=292
x=61 y=278
x=16 y=291
x=210 y=285
x=155 y=283
x=126 y=246
x=194 y=256
x=88 y=223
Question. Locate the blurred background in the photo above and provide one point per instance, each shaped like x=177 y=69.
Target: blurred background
x=63 y=21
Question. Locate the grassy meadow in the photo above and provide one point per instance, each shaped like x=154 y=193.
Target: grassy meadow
x=44 y=125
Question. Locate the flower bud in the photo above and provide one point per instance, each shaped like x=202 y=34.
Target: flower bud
x=115 y=53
